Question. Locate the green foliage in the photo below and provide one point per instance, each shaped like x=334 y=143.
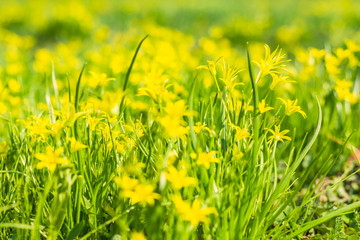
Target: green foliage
x=151 y=141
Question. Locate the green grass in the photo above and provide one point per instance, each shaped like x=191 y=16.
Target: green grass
x=175 y=128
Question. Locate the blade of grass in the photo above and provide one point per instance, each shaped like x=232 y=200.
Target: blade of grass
x=127 y=76
x=191 y=117
x=336 y=213
x=249 y=201
x=56 y=91
x=77 y=91
x=287 y=177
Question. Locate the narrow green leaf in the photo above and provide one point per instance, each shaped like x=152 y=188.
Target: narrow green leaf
x=284 y=183
x=75 y=231
x=77 y=91
x=191 y=117
x=129 y=72
x=336 y=213
x=56 y=91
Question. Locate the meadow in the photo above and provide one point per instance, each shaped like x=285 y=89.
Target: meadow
x=179 y=119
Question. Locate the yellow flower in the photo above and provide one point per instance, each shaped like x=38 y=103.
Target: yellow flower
x=98 y=79
x=179 y=179
x=343 y=84
x=56 y=127
x=126 y=183
x=14 y=101
x=352 y=45
x=3 y=148
x=278 y=80
x=137 y=236
x=342 y=54
x=279 y=136
x=50 y=159
x=173 y=126
x=206 y=158
x=38 y=126
x=262 y=108
x=332 y=64
x=318 y=53
x=142 y=193
x=292 y=107
x=156 y=85
x=42 y=61
x=273 y=62
x=211 y=66
x=342 y=89
x=241 y=133
x=172 y=120
x=3 y=108
x=192 y=213
x=93 y=122
x=229 y=75
x=199 y=127
x=14 y=86
x=75 y=145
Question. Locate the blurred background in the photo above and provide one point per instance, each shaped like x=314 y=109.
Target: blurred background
x=288 y=23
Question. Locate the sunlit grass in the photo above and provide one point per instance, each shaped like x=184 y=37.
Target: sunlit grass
x=151 y=132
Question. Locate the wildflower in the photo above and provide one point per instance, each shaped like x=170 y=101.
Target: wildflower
x=172 y=120
x=262 y=108
x=14 y=86
x=199 y=127
x=279 y=136
x=272 y=62
x=332 y=64
x=229 y=75
x=3 y=108
x=241 y=133
x=137 y=129
x=142 y=193
x=126 y=183
x=237 y=155
x=342 y=89
x=343 y=84
x=193 y=213
x=56 y=127
x=292 y=107
x=42 y=61
x=50 y=159
x=278 y=80
x=98 y=79
x=15 y=101
x=75 y=145
x=211 y=66
x=318 y=53
x=342 y=54
x=93 y=122
x=137 y=236
x=121 y=146
x=173 y=126
x=353 y=60
x=3 y=148
x=137 y=192
x=135 y=167
x=206 y=158
x=179 y=179
x=352 y=45
x=156 y=85
x=37 y=126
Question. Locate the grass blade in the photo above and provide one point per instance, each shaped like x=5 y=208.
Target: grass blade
x=77 y=91
x=129 y=72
